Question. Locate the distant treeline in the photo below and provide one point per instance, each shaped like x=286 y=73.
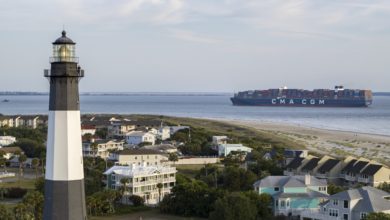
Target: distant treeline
x=150 y=93
x=128 y=93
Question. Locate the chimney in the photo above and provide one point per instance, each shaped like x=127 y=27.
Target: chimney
x=307 y=179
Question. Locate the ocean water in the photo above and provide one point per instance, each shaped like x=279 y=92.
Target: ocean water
x=374 y=119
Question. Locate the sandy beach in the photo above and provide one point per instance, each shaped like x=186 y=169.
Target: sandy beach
x=329 y=142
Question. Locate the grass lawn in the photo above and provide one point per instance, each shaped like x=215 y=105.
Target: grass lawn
x=153 y=214
x=23 y=183
x=189 y=170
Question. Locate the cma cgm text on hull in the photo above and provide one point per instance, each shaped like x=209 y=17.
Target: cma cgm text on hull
x=338 y=97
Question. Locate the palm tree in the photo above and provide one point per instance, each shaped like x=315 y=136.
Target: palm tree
x=42 y=157
x=3 y=191
x=124 y=182
x=22 y=159
x=95 y=148
x=173 y=157
x=35 y=164
x=159 y=186
x=3 y=162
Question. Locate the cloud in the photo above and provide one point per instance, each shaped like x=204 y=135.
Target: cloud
x=193 y=37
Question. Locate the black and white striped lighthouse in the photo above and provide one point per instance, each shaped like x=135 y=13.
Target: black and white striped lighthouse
x=64 y=178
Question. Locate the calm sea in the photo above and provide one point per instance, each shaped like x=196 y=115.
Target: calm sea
x=374 y=119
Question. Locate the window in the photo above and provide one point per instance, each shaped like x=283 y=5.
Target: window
x=288 y=203
x=322 y=188
x=345 y=217
x=282 y=203
x=276 y=203
x=363 y=215
x=345 y=204
x=276 y=189
x=334 y=212
x=335 y=202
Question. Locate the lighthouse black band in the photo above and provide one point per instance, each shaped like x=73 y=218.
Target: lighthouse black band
x=69 y=202
x=64 y=91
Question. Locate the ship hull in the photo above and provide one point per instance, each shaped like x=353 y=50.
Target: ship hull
x=285 y=102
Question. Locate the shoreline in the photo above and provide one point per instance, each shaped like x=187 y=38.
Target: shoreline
x=326 y=141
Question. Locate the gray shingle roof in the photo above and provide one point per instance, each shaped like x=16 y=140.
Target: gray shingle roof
x=294 y=164
x=311 y=164
x=328 y=165
x=348 y=167
x=371 y=169
x=358 y=166
x=288 y=181
x=370 y=199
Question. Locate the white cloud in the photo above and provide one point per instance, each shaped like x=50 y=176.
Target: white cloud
x=193 y=37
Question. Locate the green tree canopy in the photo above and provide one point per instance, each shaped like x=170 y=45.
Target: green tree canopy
x=377 y=216
x=234 y=206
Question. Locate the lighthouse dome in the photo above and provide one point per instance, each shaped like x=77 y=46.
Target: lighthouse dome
x=64 y=39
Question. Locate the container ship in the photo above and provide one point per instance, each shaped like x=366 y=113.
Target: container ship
x=337 y=97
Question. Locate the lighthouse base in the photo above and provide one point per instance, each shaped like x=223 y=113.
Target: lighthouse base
x=64 y=200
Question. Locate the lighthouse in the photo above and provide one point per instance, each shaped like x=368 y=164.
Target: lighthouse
x=64 y=178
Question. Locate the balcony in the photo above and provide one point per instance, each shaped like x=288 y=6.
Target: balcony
x=47 y=73
x=364 y=180
x=64 y=59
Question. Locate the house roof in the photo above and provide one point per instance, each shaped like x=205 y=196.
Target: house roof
x=289 y=181
x=311 y=164
x=358 y=166
x=295 y=163
x=139 y=151
x=370 y=199
x=371 y=169
x=136 y=133
x=139 y=170
x=328 y=165
x=348 y=167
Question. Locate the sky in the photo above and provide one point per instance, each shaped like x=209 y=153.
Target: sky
x=200 y=45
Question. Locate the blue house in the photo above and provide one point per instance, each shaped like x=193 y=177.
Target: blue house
x=293 y=194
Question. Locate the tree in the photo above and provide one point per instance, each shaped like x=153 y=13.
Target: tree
x=237 y=179
x=35 y=164
x=22 y=158
x=234 y=206
x=3 y=162
x=5 y=214
x=42 y=157
x=384 y=186
x=31 y=147
x=21 y=212
x=333 y=189
x=40 y=185
x=136 y=200
x=102 y=133
x=173 y=157
x=263 y=203
x=3 y=191
x=33 y=201
x=377 y=216
x=124 y=181
x=192 y=198
x=159 y=187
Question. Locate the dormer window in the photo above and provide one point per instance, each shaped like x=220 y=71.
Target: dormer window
x=345 y=204
x=276 y=189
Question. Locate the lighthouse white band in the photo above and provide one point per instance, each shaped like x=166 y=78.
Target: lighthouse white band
x=64 y=151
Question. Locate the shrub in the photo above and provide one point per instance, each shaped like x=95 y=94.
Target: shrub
x=136 y=200
x=15 y=192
